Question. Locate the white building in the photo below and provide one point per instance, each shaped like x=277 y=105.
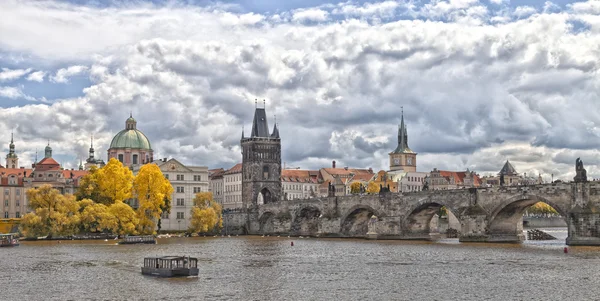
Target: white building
x=232 y=187
x=216 y=184
x=186 y=182
x=299 y=184
x=413 y=181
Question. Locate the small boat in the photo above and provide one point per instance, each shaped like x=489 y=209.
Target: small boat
x=143 y=239
x=170 y=266
x=9 y=240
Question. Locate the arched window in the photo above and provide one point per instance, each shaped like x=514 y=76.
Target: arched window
x=265 y=172
x=135 y=159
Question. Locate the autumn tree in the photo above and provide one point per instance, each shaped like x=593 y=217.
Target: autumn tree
x=53 y=213
x=115 y=181
x=152 y=190
x=372 y=187
x=206 y=214
x=355 y=187
x=125 y=219
x=541 y=208
x=89 y=188
x=95 y=217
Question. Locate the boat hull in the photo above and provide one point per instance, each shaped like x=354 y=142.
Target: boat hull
x=182 y=272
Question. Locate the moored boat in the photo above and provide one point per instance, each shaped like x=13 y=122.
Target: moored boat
x=9 y=240
x=170 y=266
x=143 y=239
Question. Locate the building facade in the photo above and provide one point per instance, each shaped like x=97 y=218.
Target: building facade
x=403 y=158
x=412 y=181
x=130 y=146
x=186 y=181
x=216 y=184
x=261 y=163
x=299 y=184
x=91 y=160
x=443 y=179
x=232 y=187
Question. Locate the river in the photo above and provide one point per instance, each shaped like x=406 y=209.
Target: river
x=269 y=268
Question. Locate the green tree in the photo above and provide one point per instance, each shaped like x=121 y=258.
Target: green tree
x=152 y=189
x=206 y=214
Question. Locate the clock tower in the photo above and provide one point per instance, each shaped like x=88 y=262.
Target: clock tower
x=403 y=158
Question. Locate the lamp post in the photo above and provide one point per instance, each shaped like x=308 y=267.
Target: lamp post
x=552 y=177
x=179 y=224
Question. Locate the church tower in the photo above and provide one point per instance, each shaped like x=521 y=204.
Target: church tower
x=261 y=163
x=12 y=161
x=403 y=158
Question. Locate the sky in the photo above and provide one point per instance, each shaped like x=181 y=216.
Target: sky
x=480 y=81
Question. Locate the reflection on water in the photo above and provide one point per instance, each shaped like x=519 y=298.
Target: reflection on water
x=269 y=268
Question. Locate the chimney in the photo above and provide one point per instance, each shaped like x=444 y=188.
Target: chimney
x=370 y=170
x=346 y=168
x=333 y=164
x=164 y=159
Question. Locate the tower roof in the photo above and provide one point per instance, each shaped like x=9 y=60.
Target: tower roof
x=130 y=137
x=402 y=147
x=260 y=127
x=507 y=169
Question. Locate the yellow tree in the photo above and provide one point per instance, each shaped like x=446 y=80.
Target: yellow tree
x=355 y=187
x=125 y=219
x=53 y=213
x=206 y=214
x=89 y=188
x=372 y=187
x=95 y=217
x=152 y=190
x=115 y=181
x=541 y=207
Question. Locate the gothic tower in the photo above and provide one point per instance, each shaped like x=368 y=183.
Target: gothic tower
x=261 y=163
x=403 y=158
x=12 y=161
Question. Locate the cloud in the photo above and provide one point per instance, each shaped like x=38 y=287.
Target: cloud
x=312 y=14
x=12 y=74
x=524 y=11
x=14 y=93
x=63 y=74
x=37 y=76
x=478 y=86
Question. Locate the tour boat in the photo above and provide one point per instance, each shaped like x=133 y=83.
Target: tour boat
x=144 y=239
x=9 y=240
x=170 y=266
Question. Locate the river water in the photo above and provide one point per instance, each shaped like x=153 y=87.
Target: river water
x=269 y=268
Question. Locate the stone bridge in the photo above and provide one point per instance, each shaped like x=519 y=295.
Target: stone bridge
x=485 y=214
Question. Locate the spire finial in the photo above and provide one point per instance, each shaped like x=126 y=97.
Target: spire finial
x=275 y=117
x=131 y=114
x=264 y=103
x=402 y=108
x=48 y=142
x=92 y=141
x=11 y=137
x=255 y=103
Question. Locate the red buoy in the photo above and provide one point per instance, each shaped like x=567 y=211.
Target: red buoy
x=566 y=250
x=292 y=244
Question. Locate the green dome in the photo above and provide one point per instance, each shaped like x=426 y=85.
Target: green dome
x=131 y=138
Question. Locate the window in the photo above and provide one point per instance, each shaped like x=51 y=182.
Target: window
x=167 y=176
x=6 y=192
x=265 y=172
x=135 y=159
x=5 y=214
x=5 y=203
x=198 y=178
x=179 y=177
x=121 y=158
x=179 y=189
x=164 y=215
x=197 y=189
x=180 y=202
x=18 y=191
x=18 y=214
x=50 y=175
x=18 y=203
x=180 y=215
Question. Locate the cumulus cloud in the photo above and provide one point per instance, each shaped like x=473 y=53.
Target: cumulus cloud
x=37 y=76
x=476 y=91
x=12 y=74
x=63 y=74
x=14 y=93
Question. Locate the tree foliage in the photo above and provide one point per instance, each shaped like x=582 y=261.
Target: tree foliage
x=89 y=188
x=355 y=187
x=152 y=189
x=206 y=214
x=53 y=213
x=541 y=208
x=125 y=219
x=115 y=181
x=372 y=187
x=95 y=217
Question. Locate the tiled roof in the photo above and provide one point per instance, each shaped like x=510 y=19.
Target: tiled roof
x=48 y=161
x=76 y=173
x=235 y=169
x=301 y=176
x=216 y=173
x=344 y=171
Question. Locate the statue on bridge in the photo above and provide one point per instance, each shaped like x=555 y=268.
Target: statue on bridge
x=581 y=173
x=501 y=180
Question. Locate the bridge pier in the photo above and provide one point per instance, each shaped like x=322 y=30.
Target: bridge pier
x=584 y=227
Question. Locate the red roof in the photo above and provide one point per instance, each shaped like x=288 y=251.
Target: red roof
x=47 y=164
x=235 y=169
x=5 y=173
x=298 y=175
x=76 y=173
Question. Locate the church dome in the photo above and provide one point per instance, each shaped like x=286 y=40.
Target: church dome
x=130 y=137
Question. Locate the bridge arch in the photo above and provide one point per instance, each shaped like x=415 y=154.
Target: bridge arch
x=306 y=221
x=355 y=221
x=264 y=196
x=507 y=218
x=420 y=215
x=265 y=222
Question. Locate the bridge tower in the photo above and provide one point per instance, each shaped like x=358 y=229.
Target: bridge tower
x=261 y=163
x=403 y=158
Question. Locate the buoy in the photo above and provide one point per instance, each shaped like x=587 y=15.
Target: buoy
x=292 y=244
x=566 y=250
